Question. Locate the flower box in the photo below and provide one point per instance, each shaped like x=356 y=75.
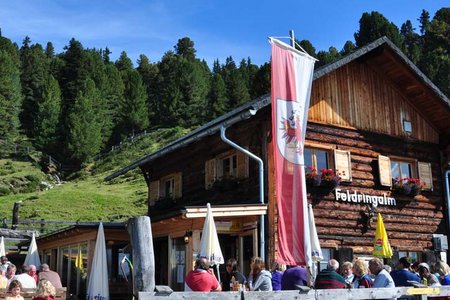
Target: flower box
x=408 y=186
x=321 y=183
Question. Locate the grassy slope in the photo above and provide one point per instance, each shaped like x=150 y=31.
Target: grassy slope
x=90 y=198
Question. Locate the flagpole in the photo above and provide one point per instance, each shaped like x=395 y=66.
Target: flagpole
x=291 y=34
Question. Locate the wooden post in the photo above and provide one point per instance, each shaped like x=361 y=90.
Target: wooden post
x=140 y=232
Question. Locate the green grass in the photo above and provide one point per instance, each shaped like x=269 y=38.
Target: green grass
x=88 y=197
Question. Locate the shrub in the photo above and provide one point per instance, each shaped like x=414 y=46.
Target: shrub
x=4 y=190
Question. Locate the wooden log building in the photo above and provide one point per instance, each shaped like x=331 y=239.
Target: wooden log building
x=374 y=116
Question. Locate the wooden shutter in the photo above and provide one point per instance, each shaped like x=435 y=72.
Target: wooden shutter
x=154 y=191
x=242 y=165
x=177 y=185
x=210 y=173
x=425 y=175
x=384 y=168
x=343 y=165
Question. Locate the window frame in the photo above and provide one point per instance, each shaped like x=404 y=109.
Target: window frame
x=329 y=157
x=412 y=166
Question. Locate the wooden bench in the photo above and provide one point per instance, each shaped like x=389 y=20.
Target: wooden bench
x=28 y=294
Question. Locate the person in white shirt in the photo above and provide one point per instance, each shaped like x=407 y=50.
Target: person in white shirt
x=26 y=280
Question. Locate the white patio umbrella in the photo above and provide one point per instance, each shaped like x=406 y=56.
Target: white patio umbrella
x=32 y=257
x=209 y=244
x=98 y=276
x=316 y=251
x=2 y=247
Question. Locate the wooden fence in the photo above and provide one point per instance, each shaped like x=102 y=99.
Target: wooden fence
x=341 y=294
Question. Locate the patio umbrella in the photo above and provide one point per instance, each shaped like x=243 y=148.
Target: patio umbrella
x=98 y=276
x=32 y=257
x=316 y=251
x=2 y=247
x=209 y=244
x=381 y=247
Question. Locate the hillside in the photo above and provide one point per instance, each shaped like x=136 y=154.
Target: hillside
x=86 y=197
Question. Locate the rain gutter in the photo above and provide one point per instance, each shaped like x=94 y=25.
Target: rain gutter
x=261 y=182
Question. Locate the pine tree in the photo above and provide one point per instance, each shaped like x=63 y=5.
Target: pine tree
x=217 y=99
x=349 y=47
x=261 y=83
x=113 y=93
x=424 y=21
x=237 y=91
x=168 y=101
x=411 y=42
x=373 y=26
x=149 y=73
x=84 y=125
x=34 y=69
x=10 y=89
x=48 y=116
x=436 y=54
x=134 y=108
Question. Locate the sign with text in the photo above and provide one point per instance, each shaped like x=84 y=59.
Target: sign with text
x=360 y=198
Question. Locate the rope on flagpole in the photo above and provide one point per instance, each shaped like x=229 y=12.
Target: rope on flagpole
x=273 y=40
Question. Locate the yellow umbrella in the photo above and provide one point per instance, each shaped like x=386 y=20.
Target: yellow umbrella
x=381 y=247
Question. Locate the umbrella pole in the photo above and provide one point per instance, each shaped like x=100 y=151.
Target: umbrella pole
x=218 y=273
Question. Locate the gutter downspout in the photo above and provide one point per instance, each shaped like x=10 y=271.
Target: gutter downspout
x=447 y=187
x=261 y=185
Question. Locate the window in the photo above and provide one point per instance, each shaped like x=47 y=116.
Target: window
x=414 y=255
x=167 y=187
x=401 y=169
x=316 y=158
x=229 y=167
x=231 y=164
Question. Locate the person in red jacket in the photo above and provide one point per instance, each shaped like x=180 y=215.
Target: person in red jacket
x=46 y=291
x=202 y=278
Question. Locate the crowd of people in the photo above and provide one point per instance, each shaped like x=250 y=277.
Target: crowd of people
x=356 y=274
x=45 y=281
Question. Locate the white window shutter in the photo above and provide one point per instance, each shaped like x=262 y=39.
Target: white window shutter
x=242 y=165
x=384 y=168
x=425 y=175
x=210 y=173
x=343 y=165
x=154 y=191
x=178 y=183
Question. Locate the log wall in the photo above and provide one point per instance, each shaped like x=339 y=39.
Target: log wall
x=410 y=224
x=357 y=96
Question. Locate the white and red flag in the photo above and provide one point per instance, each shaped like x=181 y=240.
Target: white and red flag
x=292 y=74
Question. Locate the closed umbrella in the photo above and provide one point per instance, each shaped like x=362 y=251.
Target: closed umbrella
x=32 y=257
x=209 y=244
x=98 y=276
x=2 y=247
x=381 y=247
x=316 y=251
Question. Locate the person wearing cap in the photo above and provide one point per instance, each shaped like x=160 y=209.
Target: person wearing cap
x=426 y=277
x=403 y=274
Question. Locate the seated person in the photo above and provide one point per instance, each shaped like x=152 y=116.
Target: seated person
x=329 y=278
x=403 y=273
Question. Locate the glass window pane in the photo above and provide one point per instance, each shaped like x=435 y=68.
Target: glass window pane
x=308 y=157
x=395 y=169
x=226 y=167
x=322 y=159
x=405 y=169
x=234 y=172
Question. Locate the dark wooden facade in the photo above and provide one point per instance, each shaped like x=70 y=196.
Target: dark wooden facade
x=359 y=105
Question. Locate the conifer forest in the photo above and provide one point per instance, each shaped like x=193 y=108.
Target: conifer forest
x=77 y=103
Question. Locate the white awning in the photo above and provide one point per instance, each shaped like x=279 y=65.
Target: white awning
x=226 y=210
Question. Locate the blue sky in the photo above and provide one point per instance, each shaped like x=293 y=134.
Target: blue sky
x=218 y=28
